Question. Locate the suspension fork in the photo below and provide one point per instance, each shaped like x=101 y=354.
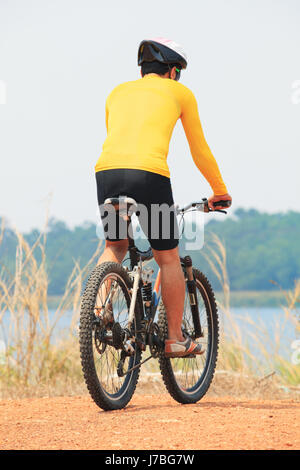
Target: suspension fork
x=191 y=286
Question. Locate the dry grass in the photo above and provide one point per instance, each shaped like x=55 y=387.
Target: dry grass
x=31 y=359
x=238 y=356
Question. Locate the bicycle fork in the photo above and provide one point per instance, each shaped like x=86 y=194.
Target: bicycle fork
x=191 y=286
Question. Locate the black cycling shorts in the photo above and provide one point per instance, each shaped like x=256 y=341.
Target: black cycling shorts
x=153 y=193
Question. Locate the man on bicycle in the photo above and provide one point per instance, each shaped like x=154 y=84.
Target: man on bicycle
x=140 y=117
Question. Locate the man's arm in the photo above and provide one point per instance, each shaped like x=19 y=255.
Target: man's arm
x=200 y=150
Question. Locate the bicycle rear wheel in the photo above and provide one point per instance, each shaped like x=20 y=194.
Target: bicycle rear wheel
x=100 y=347
x=188 y=379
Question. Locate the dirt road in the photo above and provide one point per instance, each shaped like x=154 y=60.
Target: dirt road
x=149 y=422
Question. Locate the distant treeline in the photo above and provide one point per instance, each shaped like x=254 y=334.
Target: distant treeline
x=260 y=248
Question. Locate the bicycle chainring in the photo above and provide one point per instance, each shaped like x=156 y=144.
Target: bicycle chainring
x=156 y=343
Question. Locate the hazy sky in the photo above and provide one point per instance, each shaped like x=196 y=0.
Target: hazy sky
x=59 y=59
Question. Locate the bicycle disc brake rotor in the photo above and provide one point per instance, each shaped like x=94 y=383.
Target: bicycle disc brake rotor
x=100 y=343
x=117 y=336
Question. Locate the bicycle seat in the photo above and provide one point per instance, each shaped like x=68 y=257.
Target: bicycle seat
x=121 y=203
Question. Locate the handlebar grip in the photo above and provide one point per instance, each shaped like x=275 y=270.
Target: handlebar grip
x=222 y=203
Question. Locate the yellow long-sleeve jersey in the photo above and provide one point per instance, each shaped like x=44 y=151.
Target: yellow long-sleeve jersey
x=140 y=118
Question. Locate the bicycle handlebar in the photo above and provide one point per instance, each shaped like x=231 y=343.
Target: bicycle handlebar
x=204 y=207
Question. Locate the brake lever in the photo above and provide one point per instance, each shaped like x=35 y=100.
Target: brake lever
x=218 y=210
x=208 y=209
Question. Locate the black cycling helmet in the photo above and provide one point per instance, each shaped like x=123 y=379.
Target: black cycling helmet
x=162 y=50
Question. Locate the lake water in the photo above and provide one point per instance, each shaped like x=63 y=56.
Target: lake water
x=269 y=328
x=256 y=326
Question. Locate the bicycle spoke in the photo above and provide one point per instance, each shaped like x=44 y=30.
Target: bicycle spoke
x=106 y=363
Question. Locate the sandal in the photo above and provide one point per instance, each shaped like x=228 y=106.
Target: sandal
x=182 y=348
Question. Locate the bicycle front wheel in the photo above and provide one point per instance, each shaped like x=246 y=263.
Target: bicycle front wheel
x=188 y=379
x=100 y=337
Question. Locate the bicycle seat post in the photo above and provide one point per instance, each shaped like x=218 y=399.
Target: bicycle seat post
x=131 y=207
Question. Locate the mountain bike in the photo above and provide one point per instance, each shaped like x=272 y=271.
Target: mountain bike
x=118 y=309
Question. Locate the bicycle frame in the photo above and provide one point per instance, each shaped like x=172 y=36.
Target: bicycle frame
x=156 y=294
x=137 y=257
